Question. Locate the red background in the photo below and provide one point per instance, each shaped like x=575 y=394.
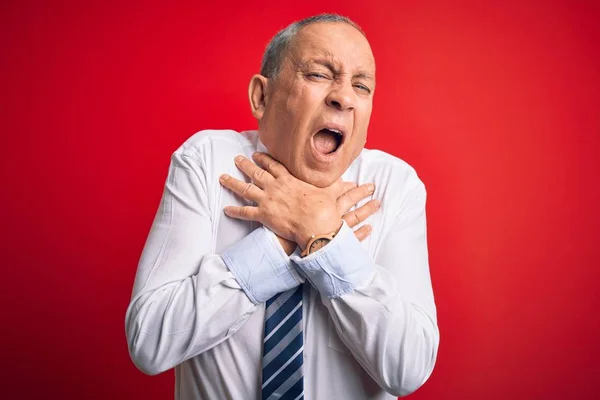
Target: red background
x=497 y=106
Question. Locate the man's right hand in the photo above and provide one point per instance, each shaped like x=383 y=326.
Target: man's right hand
x=351 y=196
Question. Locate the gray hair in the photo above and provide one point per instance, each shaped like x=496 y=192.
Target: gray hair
x=278 y=46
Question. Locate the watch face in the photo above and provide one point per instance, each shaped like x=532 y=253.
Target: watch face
x=318 y=244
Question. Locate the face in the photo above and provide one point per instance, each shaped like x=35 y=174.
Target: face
x=313 y=116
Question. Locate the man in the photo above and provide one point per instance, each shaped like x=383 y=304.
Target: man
x=252 y=283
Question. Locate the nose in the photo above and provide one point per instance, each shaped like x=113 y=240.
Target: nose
x=342 y=96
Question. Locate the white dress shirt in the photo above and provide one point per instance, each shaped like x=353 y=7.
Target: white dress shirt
x=370 y=326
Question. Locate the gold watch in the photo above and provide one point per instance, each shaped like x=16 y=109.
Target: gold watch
x=317 y=242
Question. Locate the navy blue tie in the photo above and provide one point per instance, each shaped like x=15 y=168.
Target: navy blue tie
x=282 y=374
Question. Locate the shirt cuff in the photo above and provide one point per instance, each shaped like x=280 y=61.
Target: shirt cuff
x=339 y=267
x=261 y=266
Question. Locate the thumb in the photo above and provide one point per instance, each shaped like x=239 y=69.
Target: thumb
x=338 y=187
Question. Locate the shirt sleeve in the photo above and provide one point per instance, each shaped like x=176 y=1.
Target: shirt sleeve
x=383 y=309
x=261 y=266
x=339 y=267
x=186 y=299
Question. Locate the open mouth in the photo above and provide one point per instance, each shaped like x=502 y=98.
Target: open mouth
x=328 y=140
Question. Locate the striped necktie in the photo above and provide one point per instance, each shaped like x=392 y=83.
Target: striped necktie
x=282 y=375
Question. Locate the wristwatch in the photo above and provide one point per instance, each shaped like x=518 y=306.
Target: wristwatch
x=317 y=242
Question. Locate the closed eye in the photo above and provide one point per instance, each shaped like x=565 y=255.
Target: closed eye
x=316 y=75
x=362 y=87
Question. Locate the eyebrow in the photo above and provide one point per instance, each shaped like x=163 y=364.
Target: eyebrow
x=365 y=75
x=329 y=63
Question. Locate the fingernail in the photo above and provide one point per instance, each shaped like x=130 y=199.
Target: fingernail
x=371 y=188
x=223 y=178
x=377 y=204
x=239 y=158
x=354 y=184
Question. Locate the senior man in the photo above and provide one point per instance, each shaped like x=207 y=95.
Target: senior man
x=290 y=262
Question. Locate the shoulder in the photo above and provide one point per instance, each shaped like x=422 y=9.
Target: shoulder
x=391 y=173
x=397 y=184
x=212 y=143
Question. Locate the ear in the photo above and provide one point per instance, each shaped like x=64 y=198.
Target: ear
x=257 y=94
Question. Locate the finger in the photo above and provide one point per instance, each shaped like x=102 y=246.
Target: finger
x=245 y=189
x=357 y=216
x=353 y=196
x=258 y=175
x=247 y=213
x=273 y=166
x=337 y=187
x=347 y=186
x=363 y=232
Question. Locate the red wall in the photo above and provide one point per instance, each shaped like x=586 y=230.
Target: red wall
x=496 y=104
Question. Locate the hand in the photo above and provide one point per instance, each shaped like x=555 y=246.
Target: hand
x=351 y=194
x=293 y=209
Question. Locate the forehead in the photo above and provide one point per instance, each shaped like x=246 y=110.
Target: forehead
x=338 y=42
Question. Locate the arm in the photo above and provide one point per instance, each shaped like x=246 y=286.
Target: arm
x=383 y=311
x=186 y=299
